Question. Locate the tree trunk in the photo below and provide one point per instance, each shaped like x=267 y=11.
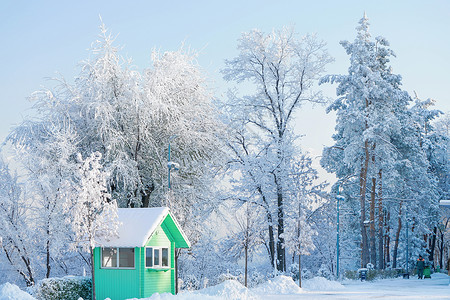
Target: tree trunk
x=281 y=254
x=177 y=254
x=373 y=249
x=47 y=275
x=441 y=251
x=380 y=222
x=388 y=239
x=433 y=247
x=92 y=272
x=397 y=237
x=300 y=270
x=246 y=264
x=362 y=195
x=271 y=248
x=271 y=240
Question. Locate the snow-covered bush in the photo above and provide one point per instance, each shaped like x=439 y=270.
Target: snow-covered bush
x=65 y=288
x=256 y=278
x=351 y=274
x=325 y=272
x=189 y=283
x=293 y=271
x=307 y=274
x=371 y=274
x=228 y=276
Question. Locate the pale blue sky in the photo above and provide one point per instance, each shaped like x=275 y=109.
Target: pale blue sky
x=40 y=38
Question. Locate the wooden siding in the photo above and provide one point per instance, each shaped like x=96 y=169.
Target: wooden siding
x=158 y=280
x=117 y=284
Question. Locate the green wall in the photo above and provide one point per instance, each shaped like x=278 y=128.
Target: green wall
x=117 y=284
x=154 y=280
x=141 y=282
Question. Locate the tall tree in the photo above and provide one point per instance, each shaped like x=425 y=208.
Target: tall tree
x=370 y=111
x=282 y=70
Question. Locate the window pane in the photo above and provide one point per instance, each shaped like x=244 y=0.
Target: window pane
x=156 y=257
x=109 y=257
x=126 y=257
x=149 y=257
x=164 y=257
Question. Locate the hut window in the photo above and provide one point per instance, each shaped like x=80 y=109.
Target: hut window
x=126 y=257
x=156 y=257
x=164 y=257
x=117 y=258
x=109 y=257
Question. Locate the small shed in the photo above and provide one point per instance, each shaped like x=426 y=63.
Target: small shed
x=141 y=260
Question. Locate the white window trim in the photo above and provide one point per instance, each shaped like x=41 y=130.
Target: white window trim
x=159 y=267
x=117 y=259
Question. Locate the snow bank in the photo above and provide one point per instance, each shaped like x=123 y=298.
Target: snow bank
x=280 y=285
x=321 y=284
x=227 y=290
x=10 y=291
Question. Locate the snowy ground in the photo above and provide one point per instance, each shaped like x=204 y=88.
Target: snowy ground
x=319 y=288
x=283 y=287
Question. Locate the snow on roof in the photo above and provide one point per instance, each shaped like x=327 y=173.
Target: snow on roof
x=136 y=226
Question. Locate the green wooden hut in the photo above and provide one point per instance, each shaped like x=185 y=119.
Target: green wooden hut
x=141 y=260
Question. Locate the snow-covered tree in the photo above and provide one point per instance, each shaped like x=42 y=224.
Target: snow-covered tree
x=47 y=161
x=376 y=146
x=17 y=238
x=246 y=236
x=93 y=212
x=282 y=70
x=302 y=202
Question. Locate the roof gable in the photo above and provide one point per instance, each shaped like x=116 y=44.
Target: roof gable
x=138 y=224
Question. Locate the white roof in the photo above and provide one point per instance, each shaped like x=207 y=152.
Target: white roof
x=136 y=226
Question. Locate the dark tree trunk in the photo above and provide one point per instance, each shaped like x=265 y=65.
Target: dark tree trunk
x=380 y=222
x=373 y=249
x=441 y=251
x=146 y=194
x=433 y=247
x=246 y=264
x=388 y=239
x=177 y=254
x=362 y=195
x=47 y=274
x=397 y=237
x=91 y=251
x=281 y=254
x=300 y=270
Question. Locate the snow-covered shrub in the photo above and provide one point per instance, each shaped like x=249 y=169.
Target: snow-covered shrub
x=190 y=283
x=228 y=276
x=324 y=272
x=307 y=274
x=293 y=271
x=371 y=274
x=256 y=278
x=351 y=274
x=65 y=288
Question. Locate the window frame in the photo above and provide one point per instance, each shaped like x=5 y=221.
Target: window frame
x=118 y=259
x=160 y=266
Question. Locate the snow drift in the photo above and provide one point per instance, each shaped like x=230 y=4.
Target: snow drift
x=282 y=285
x=10 y=291
x=321 y=284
